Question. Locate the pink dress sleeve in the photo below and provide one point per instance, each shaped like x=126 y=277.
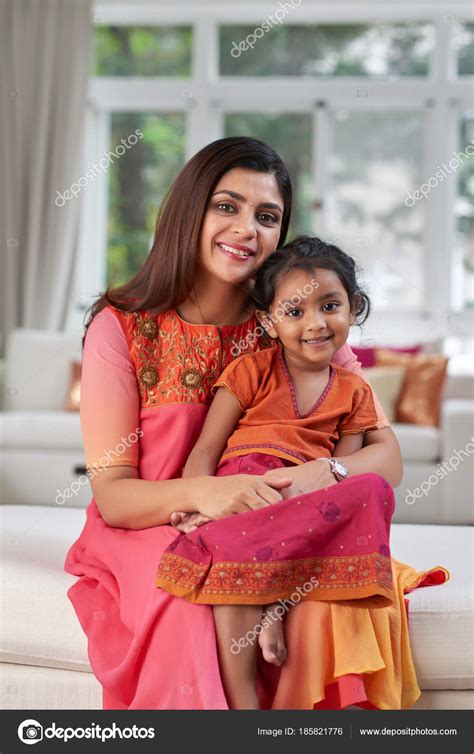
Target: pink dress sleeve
x=109 y=406
x=347 y=359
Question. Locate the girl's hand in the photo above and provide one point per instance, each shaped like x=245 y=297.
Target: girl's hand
x=219 y=497
x=188 y=522
x=307 y=477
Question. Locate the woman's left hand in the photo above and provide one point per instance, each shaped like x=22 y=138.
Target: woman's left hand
x=188 y=522
x=307 y=477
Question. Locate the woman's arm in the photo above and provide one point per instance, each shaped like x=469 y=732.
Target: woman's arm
x=223 y=415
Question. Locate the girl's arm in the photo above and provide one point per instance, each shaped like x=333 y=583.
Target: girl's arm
x=220 y=422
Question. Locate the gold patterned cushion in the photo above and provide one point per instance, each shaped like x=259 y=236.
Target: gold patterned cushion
x=422 y=390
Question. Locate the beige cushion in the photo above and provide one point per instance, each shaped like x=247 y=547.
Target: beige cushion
x=41 y=429
x=387 y=384
x=39 y=626
x=418 y=443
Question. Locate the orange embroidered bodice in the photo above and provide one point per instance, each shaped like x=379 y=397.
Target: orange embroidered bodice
x=178 y=362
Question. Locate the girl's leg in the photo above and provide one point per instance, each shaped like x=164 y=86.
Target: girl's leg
x=238 y=663
x=272 y=638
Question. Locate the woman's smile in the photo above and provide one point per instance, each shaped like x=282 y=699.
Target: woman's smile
x=236 y=251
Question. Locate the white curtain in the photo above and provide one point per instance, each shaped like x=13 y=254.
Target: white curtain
x=45 y=51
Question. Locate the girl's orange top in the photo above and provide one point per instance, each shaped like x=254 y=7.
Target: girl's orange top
x=271 y=422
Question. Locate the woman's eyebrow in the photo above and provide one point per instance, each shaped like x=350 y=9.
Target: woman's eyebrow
x=240 y=198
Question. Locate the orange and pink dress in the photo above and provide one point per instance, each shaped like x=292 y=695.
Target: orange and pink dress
x=146 y=387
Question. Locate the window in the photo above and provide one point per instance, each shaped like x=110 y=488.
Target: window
x=375 y=158
x=142 y=51
x=463 y=283
x=138 y=184
x=464 y=45
x=381 y=51
x=362 y=112
x=290 y=136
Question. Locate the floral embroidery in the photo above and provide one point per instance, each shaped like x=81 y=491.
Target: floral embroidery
x=176 y=362
x=349 y=577
x=147 y=327
x=148 y=376
x=329 y=511
x=191 y=378
x=264 y=553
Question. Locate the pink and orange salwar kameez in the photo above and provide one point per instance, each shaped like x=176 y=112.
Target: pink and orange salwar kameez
x=146 y=386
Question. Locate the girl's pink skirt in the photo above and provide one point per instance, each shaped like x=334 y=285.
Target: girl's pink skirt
x=330 y=545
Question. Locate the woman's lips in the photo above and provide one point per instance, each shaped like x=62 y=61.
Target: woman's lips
x=239 y=254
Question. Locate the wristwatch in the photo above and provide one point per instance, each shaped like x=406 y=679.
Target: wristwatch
x=339 y=470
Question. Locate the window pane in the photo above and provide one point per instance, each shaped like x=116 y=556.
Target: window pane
x=138 y=182
x=147 y=51
x=464 y=43
x=463 y=271
x=383 y=50
x=375 y=159
x=290 y=136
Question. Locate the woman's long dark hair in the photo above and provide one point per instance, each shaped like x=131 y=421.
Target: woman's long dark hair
x=166 y=278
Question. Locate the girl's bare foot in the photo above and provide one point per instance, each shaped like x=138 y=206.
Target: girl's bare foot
x=272 y=640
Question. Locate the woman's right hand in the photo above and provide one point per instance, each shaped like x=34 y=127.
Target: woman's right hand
x=219 y=497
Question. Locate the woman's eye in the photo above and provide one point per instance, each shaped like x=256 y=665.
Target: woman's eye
x=267 y=218
x=293 y=312
x=225 y=206
x=330 y=307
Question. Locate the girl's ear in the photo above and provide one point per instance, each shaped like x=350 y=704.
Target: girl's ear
x=266 y=322
x=354 y=308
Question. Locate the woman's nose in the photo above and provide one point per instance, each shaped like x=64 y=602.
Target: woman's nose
x=245 y=225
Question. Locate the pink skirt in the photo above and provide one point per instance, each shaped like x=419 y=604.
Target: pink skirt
x=329 y=545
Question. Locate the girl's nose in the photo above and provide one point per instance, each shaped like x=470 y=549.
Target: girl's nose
x=317 y=321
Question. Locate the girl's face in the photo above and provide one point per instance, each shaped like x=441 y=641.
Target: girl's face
x=311 y=316
x=242 y=225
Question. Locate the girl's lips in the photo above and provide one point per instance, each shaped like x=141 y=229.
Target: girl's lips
x=234 y=253
x=317 y=342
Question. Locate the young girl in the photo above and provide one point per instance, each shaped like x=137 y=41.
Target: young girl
x=282 y=406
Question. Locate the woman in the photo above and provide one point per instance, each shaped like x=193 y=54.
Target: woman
x=152 y=351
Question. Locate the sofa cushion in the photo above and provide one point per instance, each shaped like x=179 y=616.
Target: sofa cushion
x=40 y=429
x=37 y=368
x=441 y=617
x=39 y=626
x=418 y=443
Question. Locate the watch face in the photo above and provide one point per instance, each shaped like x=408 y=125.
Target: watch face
x=340 y=469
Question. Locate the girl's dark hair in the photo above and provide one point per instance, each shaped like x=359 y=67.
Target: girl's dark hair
x=310 y=253
x=165 y=280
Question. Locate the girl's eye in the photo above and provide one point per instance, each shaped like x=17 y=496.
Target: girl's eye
x=293 y=313
x=333 y=304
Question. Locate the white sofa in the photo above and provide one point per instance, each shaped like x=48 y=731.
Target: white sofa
x=43 y=649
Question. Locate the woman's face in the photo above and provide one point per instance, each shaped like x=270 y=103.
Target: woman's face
x=241 y=226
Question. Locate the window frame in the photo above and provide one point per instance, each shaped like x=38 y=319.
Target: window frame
x=205 y=96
